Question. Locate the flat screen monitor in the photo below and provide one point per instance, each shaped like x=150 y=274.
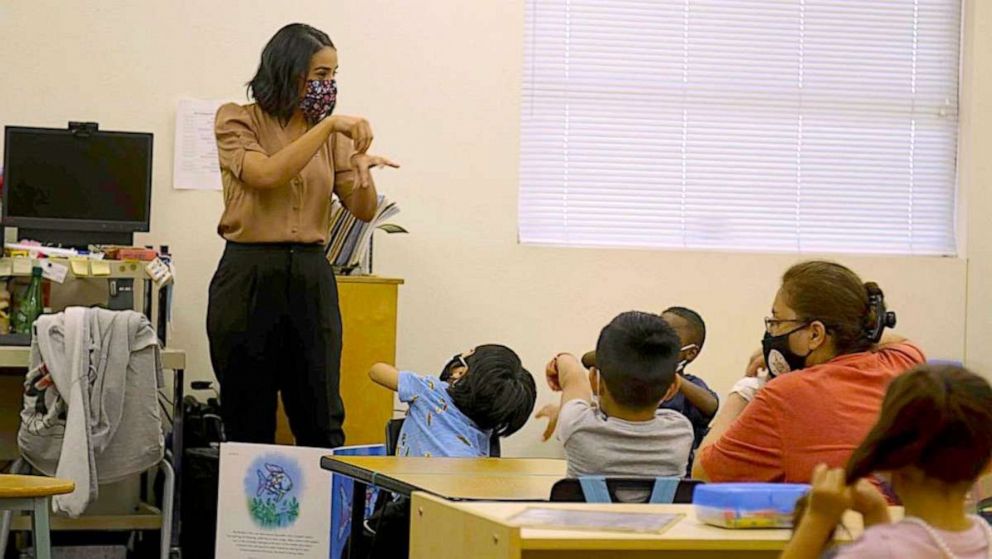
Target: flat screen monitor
x=77 y=180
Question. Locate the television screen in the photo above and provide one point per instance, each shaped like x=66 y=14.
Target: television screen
x=54 y=174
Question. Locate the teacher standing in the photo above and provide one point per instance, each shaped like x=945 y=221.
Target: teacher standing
x=273 y=318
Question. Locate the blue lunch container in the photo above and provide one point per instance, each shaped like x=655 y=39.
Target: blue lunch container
x=747 y=505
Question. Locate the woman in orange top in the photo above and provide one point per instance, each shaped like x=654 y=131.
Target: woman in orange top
x=273 y=318
x=829 y=366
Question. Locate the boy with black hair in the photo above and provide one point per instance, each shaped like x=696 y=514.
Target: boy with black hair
x=695 y=399
x=480 y=393
x=624 y=433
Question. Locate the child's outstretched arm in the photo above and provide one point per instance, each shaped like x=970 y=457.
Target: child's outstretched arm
x=564 y=374
x=573 y=378
x=385 y=375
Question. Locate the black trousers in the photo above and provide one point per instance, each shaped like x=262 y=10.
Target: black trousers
x=275 y=328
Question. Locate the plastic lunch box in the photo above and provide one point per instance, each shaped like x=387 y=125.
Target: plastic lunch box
x=747 y=505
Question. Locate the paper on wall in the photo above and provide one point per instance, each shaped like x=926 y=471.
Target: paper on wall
x=195 y=165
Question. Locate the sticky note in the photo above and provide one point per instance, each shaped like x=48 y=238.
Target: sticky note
x=6 y=267
x=100 y=268
x=80 y=267
x=22 y=266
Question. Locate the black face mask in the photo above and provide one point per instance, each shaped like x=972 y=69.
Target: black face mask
x=456 y=361
x=778 y=357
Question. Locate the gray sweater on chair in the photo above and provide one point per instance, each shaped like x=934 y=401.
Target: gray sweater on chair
x=91 y=409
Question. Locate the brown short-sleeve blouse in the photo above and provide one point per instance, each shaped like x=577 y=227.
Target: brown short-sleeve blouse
x=297 y=212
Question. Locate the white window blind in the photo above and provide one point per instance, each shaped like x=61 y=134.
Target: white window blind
x=779 y=125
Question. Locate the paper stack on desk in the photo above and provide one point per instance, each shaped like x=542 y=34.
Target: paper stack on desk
x=349 y=239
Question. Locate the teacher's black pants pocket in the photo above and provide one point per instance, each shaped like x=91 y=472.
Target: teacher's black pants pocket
x=275 y=328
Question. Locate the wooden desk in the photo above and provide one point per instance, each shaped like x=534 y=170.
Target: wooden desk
x=368 y=318
x=511 y=479
x=482 y=531
x=363 y=467
x=504 y=479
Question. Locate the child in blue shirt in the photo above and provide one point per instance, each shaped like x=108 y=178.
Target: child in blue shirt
x=480 y=393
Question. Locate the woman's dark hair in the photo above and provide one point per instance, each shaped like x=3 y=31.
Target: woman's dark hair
x=285 y=64
x=936 y=418
x=636 y=356
x=834 y=295
x=497 y=392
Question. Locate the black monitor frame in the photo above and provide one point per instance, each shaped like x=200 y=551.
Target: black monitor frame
x=78 y=232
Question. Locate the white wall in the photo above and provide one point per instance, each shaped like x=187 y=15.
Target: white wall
x=975 y=163
x=440 y=82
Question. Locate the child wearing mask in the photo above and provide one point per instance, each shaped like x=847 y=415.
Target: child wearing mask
x=694 y=399
x=623 y=433
x=932 y=440
x=480 y=393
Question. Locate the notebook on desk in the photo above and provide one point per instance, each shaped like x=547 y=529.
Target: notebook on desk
x=596 y=520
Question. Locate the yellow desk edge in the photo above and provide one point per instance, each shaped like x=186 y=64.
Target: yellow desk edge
x=493 y=531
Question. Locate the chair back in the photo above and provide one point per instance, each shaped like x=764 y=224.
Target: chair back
x=394 y=426
x=593 y=489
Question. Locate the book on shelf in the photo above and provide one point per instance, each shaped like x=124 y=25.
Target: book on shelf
x=349 y=244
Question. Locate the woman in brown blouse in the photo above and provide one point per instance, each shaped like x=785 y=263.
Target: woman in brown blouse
x=273 y=318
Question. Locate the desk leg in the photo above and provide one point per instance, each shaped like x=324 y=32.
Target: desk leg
x=356 y=546
x=40 y=528
x=177 y=454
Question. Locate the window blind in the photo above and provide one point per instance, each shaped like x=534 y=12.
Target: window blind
x=773 y=125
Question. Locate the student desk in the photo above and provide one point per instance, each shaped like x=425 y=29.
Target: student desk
x=441 y=528
x=496 y=479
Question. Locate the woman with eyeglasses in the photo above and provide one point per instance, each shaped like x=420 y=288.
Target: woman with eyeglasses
x=273 y=319
x=827 y=366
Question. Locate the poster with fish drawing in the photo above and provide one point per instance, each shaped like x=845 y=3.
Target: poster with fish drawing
x=272 y=496
x=274 y=501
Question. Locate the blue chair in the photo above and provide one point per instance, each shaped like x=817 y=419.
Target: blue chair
x=598 y=489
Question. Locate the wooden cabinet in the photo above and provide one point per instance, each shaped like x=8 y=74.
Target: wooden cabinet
x=368 y=314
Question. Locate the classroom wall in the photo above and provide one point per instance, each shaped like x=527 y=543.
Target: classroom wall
x=976 y=178
x=440 y=82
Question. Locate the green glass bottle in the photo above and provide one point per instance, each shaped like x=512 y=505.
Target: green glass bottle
x=31 y=305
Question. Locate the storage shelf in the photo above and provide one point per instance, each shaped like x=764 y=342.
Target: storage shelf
x=119 y=269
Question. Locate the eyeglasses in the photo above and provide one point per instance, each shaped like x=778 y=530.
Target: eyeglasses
x=771 y=323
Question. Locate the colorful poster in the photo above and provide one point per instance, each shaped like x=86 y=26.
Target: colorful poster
x=273 y=502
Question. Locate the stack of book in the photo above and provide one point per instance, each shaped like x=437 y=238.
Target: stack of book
x=349 y=245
